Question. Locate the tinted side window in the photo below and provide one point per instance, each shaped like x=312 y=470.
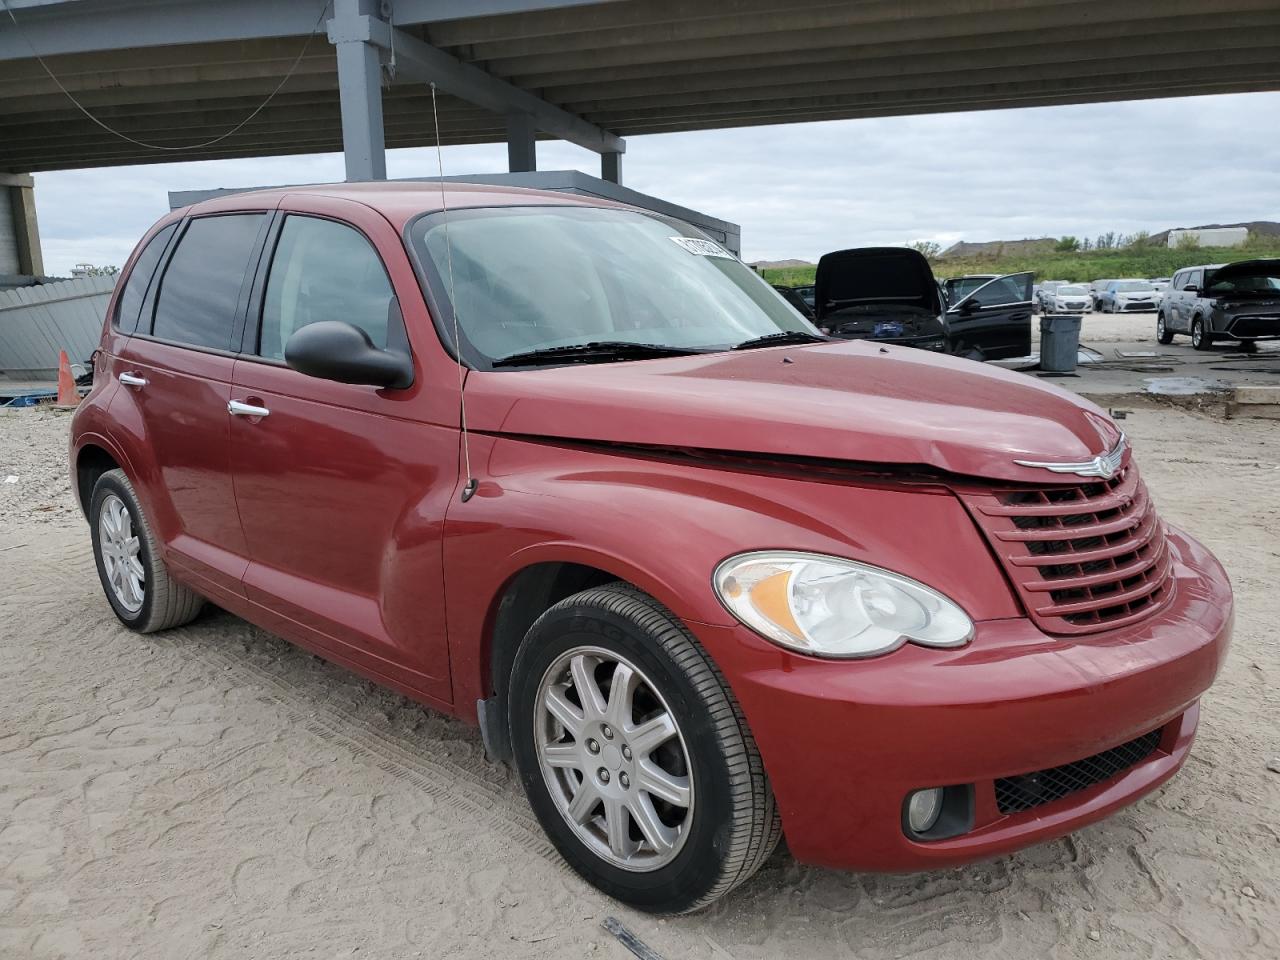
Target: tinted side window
x=323 y=270
x=999 y=292
x=201 y=286
x=135 y=288
x=1194 y=278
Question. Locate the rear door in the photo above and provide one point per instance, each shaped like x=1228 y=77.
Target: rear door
x=994 y=321
x=341 y=487
x=175 y=372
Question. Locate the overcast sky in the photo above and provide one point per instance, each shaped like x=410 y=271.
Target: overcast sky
x=803 y=189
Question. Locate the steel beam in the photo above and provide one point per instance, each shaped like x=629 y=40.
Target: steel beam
x=86 y=26
x=522 y=144
x=611 y=167
x=360 y=92
x=416 y=60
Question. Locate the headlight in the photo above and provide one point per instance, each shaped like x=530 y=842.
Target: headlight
x=830 y=607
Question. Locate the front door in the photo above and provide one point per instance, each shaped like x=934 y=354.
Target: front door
x=176 y=381
x=341 y=488
x=994 y=321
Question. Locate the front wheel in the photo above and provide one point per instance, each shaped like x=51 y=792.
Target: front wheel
x=1201 y=339
x=134 y=577
x=1163 y=334
x=634 y=754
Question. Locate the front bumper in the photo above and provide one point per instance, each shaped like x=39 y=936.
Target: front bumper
x=1137 y=306
x=844 y=742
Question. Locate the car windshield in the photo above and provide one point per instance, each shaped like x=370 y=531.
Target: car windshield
x=1134 y=286
x=1070 y=291
x=548 y=278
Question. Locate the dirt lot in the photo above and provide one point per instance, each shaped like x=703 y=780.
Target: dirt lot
x=215 y=792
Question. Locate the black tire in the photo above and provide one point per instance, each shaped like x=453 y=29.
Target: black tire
x=1163 y=334
x=1201 y=338
x=734 y=824
x=165 y=602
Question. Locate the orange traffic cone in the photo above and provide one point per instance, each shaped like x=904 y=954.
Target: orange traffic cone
x=68 y=396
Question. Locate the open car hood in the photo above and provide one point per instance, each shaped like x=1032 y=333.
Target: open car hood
x=1269 y=266
x=852 y=401
x=873 y=275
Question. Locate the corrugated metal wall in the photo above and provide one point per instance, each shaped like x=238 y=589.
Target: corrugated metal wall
x=36 y=322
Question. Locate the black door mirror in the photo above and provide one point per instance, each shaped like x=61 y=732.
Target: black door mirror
x=1190 y=288
x=332 y=350
x=969 y=306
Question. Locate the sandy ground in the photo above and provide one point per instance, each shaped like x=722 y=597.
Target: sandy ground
x=215 y=792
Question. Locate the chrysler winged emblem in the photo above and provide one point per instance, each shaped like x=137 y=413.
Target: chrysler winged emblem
x=1104 y=465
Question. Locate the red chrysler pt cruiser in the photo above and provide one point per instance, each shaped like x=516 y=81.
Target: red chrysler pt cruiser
x=571 y=471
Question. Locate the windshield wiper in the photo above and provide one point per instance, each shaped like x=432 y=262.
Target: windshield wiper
x=598 y=351
x=780 y=338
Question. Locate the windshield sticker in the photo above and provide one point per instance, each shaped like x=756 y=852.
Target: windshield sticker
x=703 y=248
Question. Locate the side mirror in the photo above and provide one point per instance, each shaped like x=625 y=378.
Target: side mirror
x=332 y=350
x=1189 y=288
x=969 y=306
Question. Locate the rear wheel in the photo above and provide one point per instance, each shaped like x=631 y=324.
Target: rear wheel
x=1163 y=333
x=134 y=577
x=634 y=754
x=1201 y=338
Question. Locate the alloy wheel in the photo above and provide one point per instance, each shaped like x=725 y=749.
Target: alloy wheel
x=614 y=759
x=120 y=547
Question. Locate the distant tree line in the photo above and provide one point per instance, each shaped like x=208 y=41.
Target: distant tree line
x=1104 y=241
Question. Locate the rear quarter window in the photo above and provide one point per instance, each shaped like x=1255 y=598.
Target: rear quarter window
x=200 y=290
x=135 y=287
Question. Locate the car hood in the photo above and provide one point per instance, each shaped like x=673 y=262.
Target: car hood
x=868 y=275
x=1244 y=268
x=852 y=401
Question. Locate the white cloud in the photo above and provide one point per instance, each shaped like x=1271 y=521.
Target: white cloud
x=802 y=189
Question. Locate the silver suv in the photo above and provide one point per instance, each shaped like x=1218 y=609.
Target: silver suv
x=1234 y=301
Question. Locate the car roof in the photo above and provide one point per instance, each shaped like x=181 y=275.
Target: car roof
x=401 y=201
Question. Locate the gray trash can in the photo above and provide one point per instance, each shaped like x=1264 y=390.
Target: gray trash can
x=1059 y=342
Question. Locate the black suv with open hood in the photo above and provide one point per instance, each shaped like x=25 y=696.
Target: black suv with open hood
x=890 y=294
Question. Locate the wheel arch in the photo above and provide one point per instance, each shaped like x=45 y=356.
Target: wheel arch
x=92 y=461
x=522 y=598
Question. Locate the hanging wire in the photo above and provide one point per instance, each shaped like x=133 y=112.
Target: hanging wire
x=470 y=487
x=157 y=146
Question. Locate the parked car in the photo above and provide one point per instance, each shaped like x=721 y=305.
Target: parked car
x=1067 y=298
x=704 y=575
x=1096 y=289
x=890 y=294
x=1128 y=296
x=1160 y=283
x=1234 y=301
x=805 y=293
x=1045 y=290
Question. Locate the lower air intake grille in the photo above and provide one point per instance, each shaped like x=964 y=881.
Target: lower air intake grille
x=1015 y=794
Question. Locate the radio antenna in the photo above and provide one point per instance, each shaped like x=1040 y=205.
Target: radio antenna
x=469 y=488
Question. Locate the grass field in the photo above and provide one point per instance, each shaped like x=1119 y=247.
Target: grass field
x=1091 y=265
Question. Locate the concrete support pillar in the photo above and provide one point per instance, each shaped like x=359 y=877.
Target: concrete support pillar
x=360 y=91
x=522 y=144
x=611 y=167
x=19 y=232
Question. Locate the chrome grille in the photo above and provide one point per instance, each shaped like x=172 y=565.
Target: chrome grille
x=1084 y=557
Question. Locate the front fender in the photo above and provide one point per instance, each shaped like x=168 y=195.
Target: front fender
x=663 y=526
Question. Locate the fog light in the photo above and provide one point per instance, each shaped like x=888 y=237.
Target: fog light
x=923 y=809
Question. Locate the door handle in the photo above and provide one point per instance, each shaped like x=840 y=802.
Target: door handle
x=238 y=409
x=132 y=380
